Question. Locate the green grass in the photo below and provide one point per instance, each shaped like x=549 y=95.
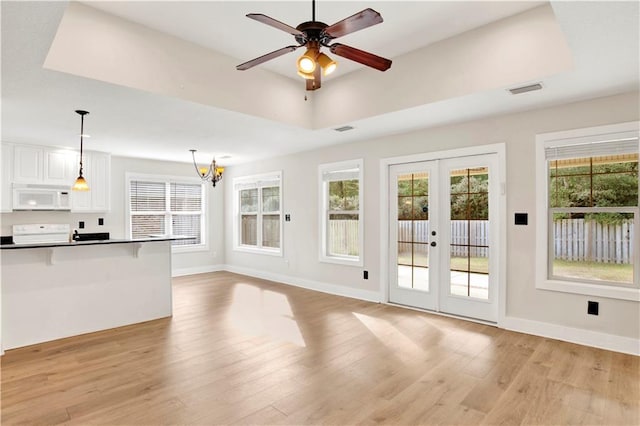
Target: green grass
x=622 y=273
x=478 y=264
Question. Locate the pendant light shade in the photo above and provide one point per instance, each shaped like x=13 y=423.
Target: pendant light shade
x=81 y=183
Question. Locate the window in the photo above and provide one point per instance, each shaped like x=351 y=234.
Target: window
x=167 y=206
x=341 y=220
x=589 y=214
x=258 y=226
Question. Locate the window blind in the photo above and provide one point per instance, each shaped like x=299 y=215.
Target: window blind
x=164 y=207
x=336 y=175
x=595 y=148
x=147 y=196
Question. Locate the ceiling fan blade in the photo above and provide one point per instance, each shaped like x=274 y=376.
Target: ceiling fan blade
x=360 y=56
x=274 y=23
x=315 y=82
x=360 y=20
x=265 y=58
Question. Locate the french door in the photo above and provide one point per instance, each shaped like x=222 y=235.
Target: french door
x=443 y=235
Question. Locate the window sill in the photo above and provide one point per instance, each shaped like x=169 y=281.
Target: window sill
x=342 y=261
x=608 y=291
x=255 y=250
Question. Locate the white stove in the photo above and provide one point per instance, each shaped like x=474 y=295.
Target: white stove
x=41 y=233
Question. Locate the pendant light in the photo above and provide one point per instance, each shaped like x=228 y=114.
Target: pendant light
x=80 y=183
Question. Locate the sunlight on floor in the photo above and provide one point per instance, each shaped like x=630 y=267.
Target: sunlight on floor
x=264 y=313
x=402 y=347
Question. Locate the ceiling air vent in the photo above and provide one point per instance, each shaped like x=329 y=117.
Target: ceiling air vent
x=525 y=89
x=344 y=128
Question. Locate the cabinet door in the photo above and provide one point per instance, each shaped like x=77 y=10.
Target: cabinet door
x=6 y=198
x=59 y=167
x=27 y=164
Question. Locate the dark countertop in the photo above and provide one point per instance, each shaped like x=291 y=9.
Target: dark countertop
x=93 y=243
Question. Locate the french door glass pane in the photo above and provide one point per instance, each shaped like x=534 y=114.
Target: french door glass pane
x=469 y=234
x=413 y=231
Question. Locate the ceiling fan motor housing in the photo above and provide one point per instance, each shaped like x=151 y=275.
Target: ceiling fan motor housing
x=312 y=31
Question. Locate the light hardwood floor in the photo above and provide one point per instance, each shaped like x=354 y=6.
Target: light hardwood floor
x=240 y=350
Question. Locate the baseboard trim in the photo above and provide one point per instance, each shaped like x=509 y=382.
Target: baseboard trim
x=197 y=270
x=580 y=336
x=354 y=293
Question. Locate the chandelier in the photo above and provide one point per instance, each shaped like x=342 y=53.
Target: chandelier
x=212 y=173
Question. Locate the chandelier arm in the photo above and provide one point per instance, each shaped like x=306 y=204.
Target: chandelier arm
x=195 y=165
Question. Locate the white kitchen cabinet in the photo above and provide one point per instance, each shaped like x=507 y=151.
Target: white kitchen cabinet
x=27 y=164
x=43 y=165
x=60 y=167
x=6 y=196
x=97 y=172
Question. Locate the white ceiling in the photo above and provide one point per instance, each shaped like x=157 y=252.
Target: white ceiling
x=38 y=104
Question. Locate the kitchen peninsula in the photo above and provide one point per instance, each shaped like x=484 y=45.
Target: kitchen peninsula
x=56 y=290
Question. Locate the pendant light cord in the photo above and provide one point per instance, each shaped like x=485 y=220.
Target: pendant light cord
x=81 y=136
x=313 y=10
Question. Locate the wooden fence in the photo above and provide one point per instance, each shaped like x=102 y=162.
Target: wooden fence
x=580 y=240
x=465 y=235
x=574 y=239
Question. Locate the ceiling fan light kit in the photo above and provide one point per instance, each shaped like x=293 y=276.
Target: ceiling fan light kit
x=314 y=35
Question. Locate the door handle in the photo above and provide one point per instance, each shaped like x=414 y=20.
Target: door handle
x=433 y=244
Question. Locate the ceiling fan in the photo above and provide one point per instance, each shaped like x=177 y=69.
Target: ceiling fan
x=315 y=35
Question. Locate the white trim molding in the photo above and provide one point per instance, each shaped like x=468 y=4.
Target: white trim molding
x=337 y=290
x=580 y=336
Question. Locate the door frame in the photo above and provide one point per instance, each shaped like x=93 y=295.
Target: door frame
x=501 y=272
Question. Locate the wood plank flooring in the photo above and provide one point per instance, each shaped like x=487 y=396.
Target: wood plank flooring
x=239 y=350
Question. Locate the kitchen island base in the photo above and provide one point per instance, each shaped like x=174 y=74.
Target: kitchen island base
x=86 y=289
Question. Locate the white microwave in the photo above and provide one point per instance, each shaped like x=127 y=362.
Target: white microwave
x=41 y=197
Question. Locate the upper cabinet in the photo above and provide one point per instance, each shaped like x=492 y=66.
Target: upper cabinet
x=27 y=164
x=36 y=164
x=97 y=172
x=54 y=166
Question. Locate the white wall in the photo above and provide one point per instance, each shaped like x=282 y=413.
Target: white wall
x=524 y=303
x=115 y=221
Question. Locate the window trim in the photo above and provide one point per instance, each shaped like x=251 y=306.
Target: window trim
x=542 y=279
x=204 y=245
x=255 y=180
x=323 y=211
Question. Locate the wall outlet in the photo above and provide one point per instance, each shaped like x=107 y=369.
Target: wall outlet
x=81 y=224
x=100 y=221
x=365 y=275
x=592 y=307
